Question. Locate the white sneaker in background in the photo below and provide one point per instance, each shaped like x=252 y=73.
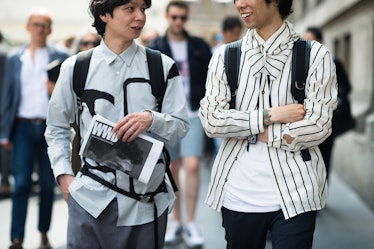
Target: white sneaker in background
x=192 y=236
x=173 y=233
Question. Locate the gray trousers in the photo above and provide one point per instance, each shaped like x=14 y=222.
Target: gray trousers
x=86 y=232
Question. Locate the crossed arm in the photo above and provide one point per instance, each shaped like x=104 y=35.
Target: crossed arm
x=281 y=114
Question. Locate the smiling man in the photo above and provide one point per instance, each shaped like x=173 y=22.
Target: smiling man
x=107 y=207
x=265 y=185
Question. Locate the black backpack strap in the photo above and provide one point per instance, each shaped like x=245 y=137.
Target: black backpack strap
x=80 y=74
x=157 y=81
x=156 y=76
x=300 y=68
x=232 y=61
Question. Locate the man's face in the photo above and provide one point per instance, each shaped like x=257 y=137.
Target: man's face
x=309 y=36
x=257 y=14
x=233 y=34
x=177 y=18
x=39 y=26
x=127 y=21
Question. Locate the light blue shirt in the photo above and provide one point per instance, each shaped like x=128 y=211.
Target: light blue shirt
x=107 y=74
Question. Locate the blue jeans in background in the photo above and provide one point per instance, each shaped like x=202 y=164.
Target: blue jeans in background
x=30 y=147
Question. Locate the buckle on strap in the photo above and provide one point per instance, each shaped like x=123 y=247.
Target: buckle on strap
x=146 y=198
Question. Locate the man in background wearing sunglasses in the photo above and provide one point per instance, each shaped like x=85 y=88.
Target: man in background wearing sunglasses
x=192 y=55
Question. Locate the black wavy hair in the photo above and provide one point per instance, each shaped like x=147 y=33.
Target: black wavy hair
x=316 y=32
x=101 y=7
x=284 y=6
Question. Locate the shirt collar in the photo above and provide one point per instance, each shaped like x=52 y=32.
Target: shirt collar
x=275 y=51
x=109 y=56
x=282 y=39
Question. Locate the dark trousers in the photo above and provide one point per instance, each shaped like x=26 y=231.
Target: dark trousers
x=326 y=150
x=249 y=230
x=86 y=232
x=29 y=145
x=6 y=163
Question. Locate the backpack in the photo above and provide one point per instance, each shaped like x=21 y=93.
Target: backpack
x=158 y=85
x=300 y=68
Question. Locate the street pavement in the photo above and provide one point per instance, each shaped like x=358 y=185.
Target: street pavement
x=346 y=223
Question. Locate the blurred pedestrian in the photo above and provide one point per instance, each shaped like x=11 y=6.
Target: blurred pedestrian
x=260 y=180
x=192 y=55
x=23 y=113
x=148 y=35
x=231 y=28
x=107 y=207
x=342 y=120
x=5 y=154
x=88 y=38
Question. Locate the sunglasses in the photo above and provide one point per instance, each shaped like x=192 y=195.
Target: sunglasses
x=86 y=43
x=40 y=25
x=182 y=18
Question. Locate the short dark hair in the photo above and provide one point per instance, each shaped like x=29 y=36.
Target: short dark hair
x=284 y=6
x=179 y=4
x=101 y=7
x=230 y=22
x=316 y=32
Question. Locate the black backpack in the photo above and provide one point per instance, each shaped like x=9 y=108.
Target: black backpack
x=300 y=67
x=158 y=85
x=156 y=74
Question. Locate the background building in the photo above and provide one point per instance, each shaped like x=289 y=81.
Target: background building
x=348 y=27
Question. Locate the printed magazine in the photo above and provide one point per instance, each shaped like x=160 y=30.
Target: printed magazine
x=137 y=158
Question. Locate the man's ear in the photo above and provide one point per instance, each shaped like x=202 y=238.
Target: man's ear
x=104 y=18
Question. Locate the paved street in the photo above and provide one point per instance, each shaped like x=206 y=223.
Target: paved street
x=346 y=223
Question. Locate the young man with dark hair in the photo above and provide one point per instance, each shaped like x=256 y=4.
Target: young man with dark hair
x=192 y=55
x=107 y=207
x=260 y=180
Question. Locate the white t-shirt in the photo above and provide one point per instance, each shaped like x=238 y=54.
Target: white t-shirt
x=253 y=190
x=179 y=50
x=34 y=93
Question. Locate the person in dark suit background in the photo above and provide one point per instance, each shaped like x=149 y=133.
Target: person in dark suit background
x=24 y=107
x=342 y=119
x=5 y=154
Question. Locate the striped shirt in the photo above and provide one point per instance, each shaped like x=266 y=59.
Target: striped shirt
x=265 y=81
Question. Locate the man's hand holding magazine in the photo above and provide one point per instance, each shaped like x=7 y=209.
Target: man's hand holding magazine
x=132 y=125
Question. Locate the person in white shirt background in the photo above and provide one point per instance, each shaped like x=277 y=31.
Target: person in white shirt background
x=192 y=55
x=24 y=107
